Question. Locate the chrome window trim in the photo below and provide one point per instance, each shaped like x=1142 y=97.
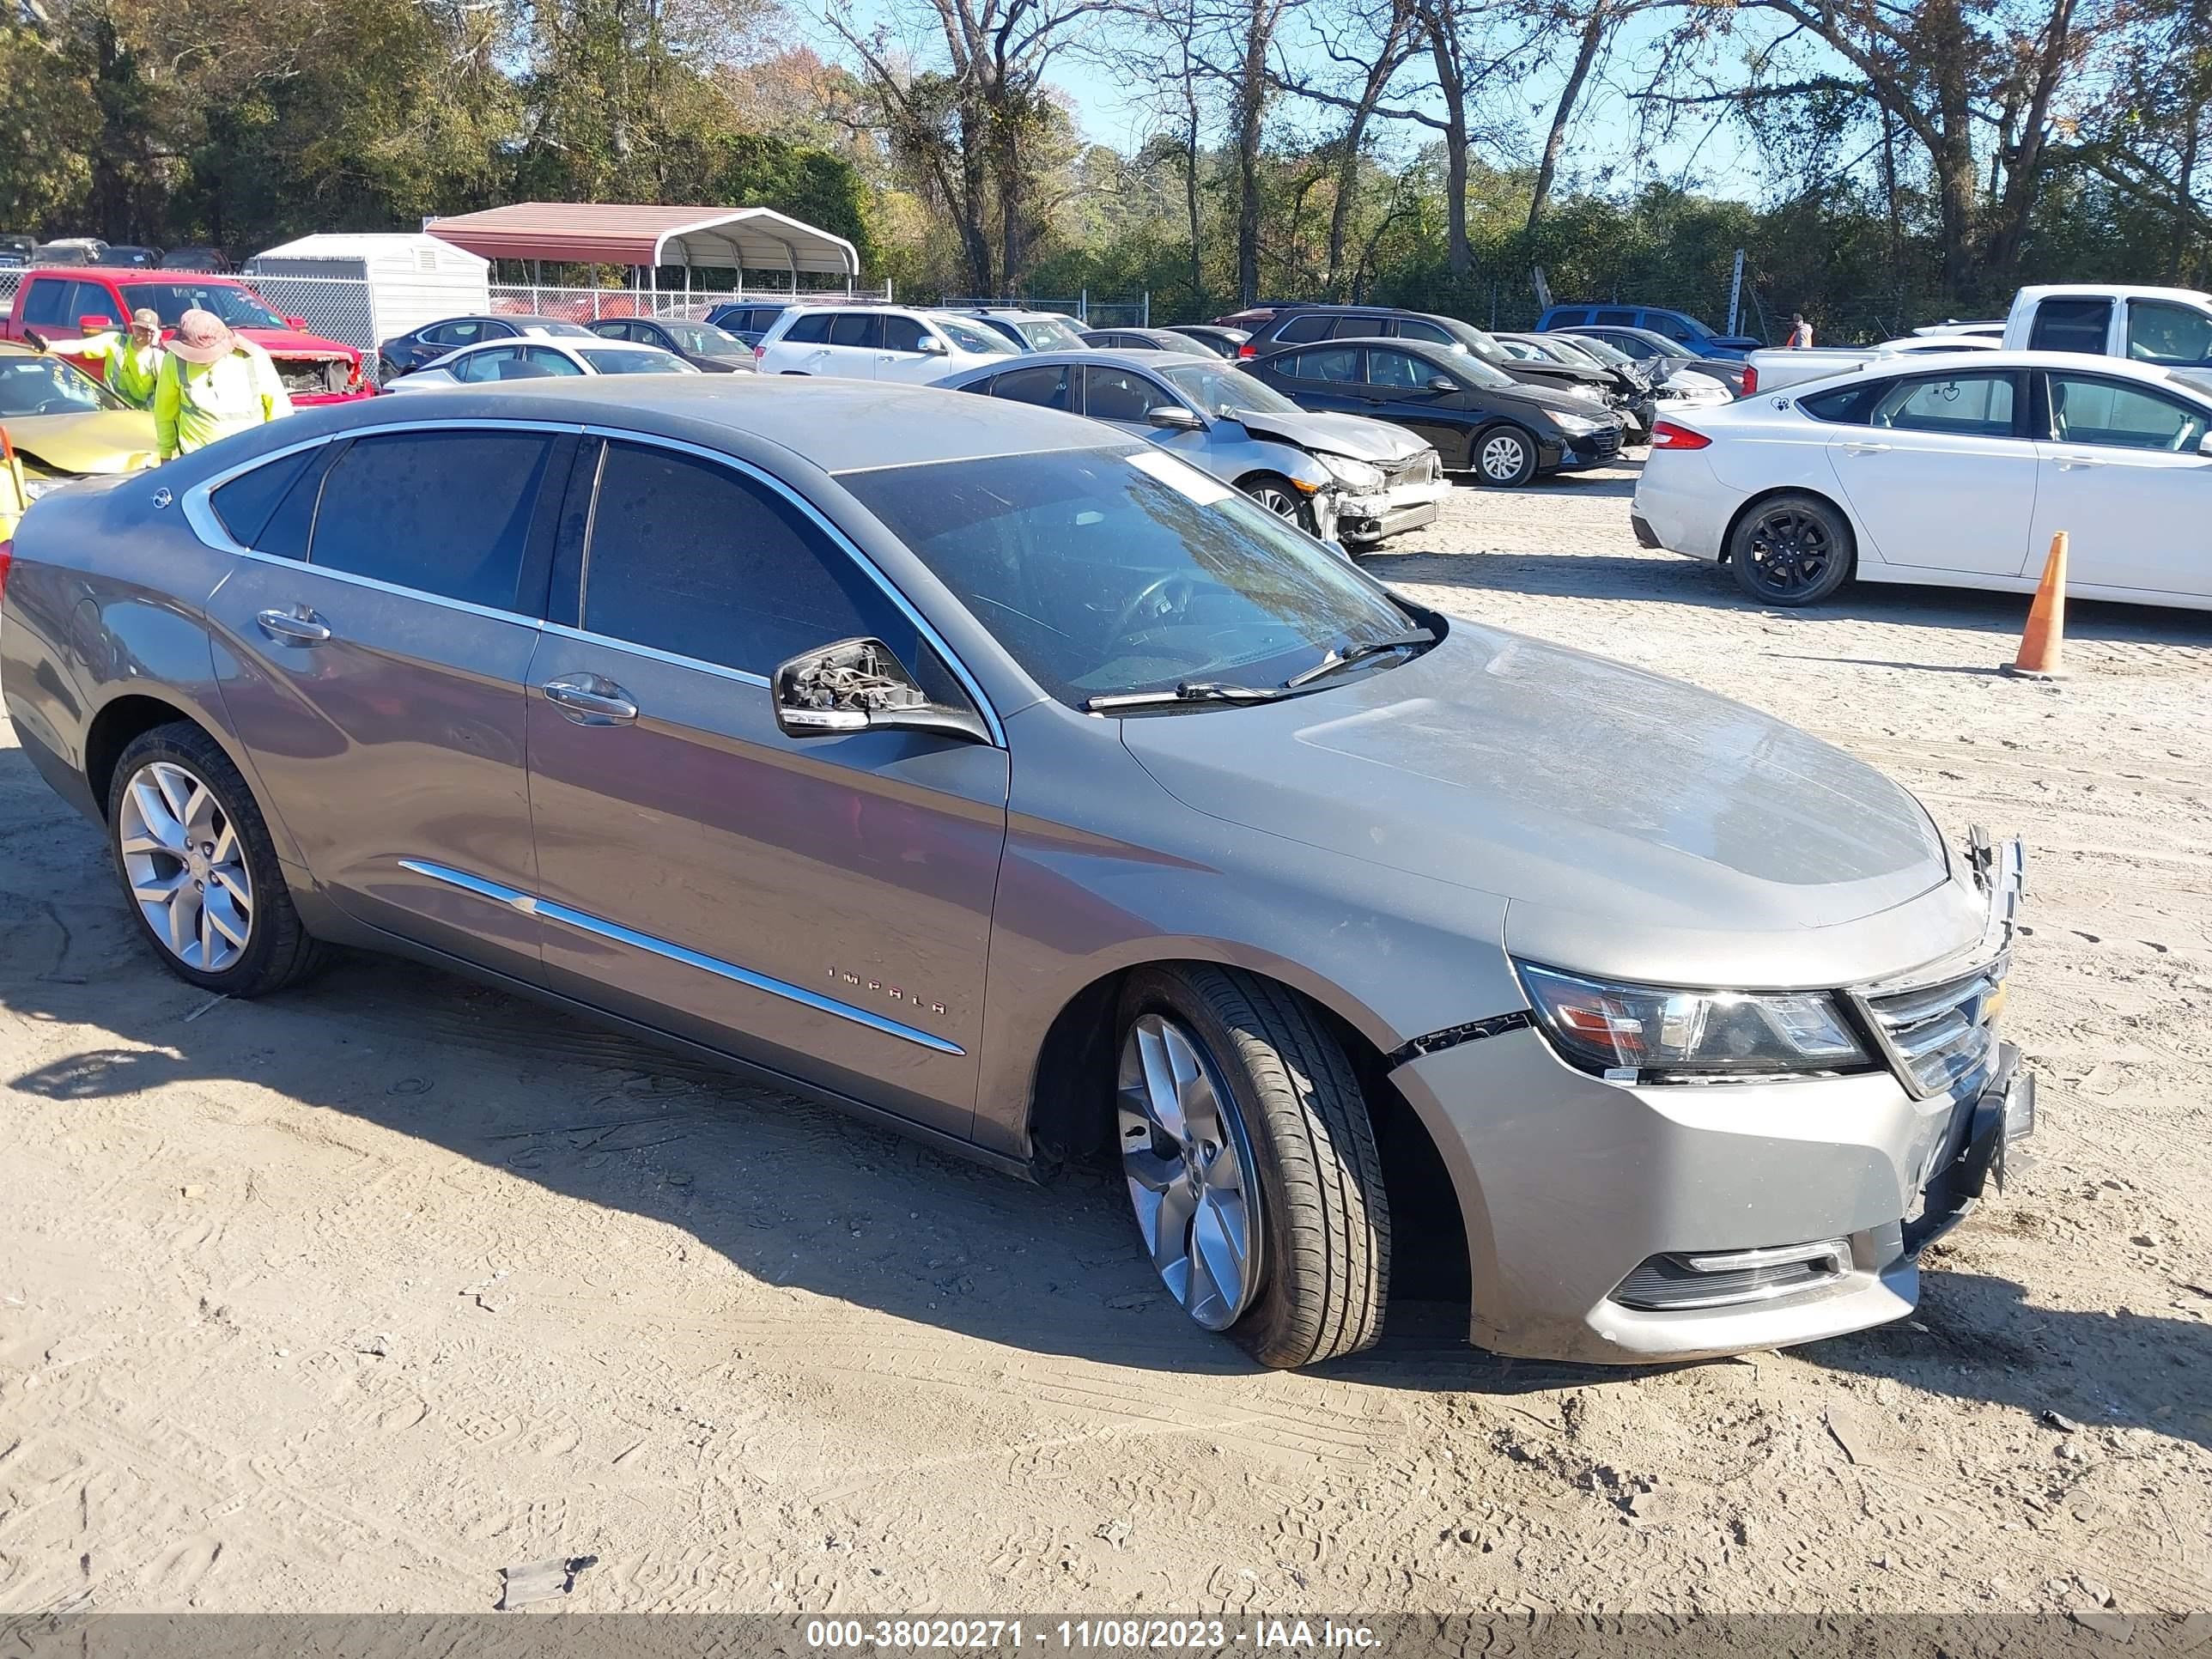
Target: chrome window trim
x=584 y=635
x=852 y=549
x=530 y=904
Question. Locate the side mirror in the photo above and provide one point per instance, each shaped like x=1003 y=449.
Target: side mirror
x=860 y=685
x=1174 y=417
x=933 y=346
x=295 y=322
x=94 y=323
x=2205 y=447
x=1442 y=383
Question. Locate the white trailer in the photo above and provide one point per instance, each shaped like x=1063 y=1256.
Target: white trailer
x=369 y=288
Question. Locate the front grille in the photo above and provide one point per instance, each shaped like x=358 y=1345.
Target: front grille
x=1418 y=470
x=1942 y=1034
x=1607 y=442
x=311 y=378
x=1677 y=1282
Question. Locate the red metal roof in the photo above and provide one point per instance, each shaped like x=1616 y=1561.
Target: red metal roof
x=625 y=234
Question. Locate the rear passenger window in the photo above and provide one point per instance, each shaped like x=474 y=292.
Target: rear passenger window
x=1048 y=388
x=1960 y=405
x=690 y=557
x=443 y=513
x=248 y=501
x=1360 y=328
x=853 y=328
x=1311 y=326
x=1849 y=407
x=1339 y=364
x=1617 y=319
x=813 y=329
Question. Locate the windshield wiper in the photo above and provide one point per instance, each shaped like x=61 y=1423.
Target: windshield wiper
x=1188 y=691
x=1350 y=654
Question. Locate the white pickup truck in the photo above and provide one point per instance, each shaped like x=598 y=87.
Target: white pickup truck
x=2169 y=326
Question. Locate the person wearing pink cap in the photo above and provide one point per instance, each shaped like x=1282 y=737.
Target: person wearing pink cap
x=213 y=383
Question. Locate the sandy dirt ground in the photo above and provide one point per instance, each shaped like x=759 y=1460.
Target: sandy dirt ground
x=348 y=1299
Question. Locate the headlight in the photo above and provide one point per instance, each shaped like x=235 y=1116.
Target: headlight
x=1581 y=425
x=1626 y=1032
x=1352 y=475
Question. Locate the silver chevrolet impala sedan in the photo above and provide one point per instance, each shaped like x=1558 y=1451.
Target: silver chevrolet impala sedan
x=1001 y=777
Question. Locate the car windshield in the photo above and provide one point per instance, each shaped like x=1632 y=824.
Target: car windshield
x=637 y=359
x=1609 y=355
x=46 y=385
x=703 y=342
x=1220 y=390
x=970 y=336
x=1112 y=571
x=235 y=305
x=1048 y=334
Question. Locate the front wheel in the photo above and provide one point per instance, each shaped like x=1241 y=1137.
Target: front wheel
x=1279 y=498
x=198 y=868
x=1504 y=456
x=1251 y=1164
x=1792 y=550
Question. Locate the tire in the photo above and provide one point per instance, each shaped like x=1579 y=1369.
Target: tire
x=1279 y=497
x=1792 y=550
x=170 y=762
x=1503 y=457
x=1293 y=1124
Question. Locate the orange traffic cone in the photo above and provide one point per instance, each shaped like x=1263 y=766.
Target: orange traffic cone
x=2043 y=644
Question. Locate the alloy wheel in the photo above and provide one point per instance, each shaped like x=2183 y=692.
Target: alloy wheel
x=1502 y=458
x=1790 y=551
x=1280 y=503
x=1189 y=1166
x=185 y=862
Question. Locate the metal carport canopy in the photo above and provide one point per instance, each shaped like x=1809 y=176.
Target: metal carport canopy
x=619 y=233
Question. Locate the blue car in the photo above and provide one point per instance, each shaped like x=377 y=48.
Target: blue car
x=1695 y=338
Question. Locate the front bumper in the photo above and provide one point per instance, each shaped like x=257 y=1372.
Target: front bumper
x=1388 y=513
x=1580 y=454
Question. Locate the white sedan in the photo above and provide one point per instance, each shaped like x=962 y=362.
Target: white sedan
x=1954 y=472
x=536 y=359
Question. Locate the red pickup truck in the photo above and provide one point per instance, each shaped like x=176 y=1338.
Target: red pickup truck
x=65 y=304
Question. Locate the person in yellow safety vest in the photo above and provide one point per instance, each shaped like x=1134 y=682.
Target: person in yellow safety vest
x=130 y=363
x=213 y=383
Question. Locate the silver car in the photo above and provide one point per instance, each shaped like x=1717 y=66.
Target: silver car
x=1015 y=783
x=1343 y=477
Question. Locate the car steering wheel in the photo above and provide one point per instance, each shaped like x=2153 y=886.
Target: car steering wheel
x=1154 y=594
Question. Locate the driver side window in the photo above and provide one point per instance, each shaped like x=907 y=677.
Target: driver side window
x=1121 y=394
x=1400 y=369
x=2160 y=332
x=2110 y=415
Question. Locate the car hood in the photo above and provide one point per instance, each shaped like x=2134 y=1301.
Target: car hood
x=1561 y=782
x=1549 y=398
x=1340 y=434
x=293 y=342
x=103 y=441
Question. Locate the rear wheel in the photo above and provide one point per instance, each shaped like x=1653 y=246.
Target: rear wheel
x=198 y=869
x=1504 y=456
x=1251 y=1164
x=1791 y=551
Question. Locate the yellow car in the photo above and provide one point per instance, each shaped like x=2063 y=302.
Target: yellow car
x=63 y=424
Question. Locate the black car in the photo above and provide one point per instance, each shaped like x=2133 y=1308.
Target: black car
x=432 y=341
x=748 y=320
x=1142 y=339
x=702 y=345
x=1630 y=382
x=1665 y=356
x=1221 y=341
x=195 y=258
x=120 y=253
x=1479 y=418
x=16 y=253
x=1297 y=324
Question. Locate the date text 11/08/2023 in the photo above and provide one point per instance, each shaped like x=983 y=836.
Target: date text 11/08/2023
x=1162 y=1635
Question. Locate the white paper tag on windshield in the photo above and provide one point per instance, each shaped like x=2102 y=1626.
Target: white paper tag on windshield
x=1181 y=475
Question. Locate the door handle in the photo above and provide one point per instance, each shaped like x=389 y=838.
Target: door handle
x=590 y=700
x=298 y=626
x=1866 y=449
x=2068 y=463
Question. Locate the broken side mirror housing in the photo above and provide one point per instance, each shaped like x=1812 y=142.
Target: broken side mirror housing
x=861 y=686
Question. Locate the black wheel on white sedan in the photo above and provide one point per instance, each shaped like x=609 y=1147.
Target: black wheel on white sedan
x=198 y=869
x=1251 y=1164
x=1793 y=550
x=1504 y=456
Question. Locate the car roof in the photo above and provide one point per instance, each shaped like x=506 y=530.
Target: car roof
x=1892 y=365
x=2109 y=291
x=834 y=425
x=1112 y=357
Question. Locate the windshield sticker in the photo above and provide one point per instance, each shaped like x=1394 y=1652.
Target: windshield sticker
x=1181 y=476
